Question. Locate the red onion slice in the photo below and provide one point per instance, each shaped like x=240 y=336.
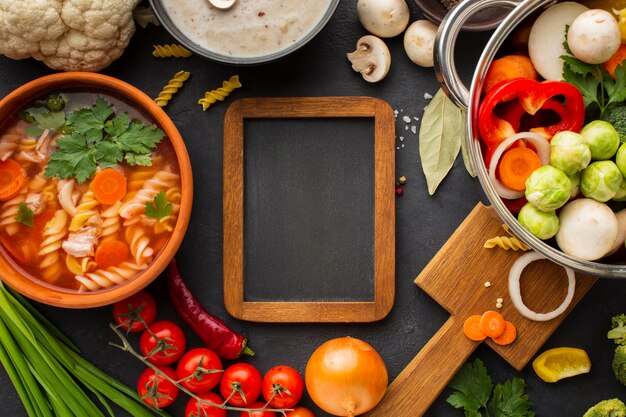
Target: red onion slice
x=543 y=150
x=516 y=295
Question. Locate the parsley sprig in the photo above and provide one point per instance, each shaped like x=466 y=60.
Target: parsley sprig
x=474 y=388
x=99 y=138
x=594 y=82
x=25 y=215
x=159 y=208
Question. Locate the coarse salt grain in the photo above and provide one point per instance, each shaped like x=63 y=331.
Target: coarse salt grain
x=416 y=118
x=487 y=284
x=427 y=96
x=498 y=305
x=499 y=300
x=414 y=129
x=406 y=128
x=407 y=119
x=401 y=138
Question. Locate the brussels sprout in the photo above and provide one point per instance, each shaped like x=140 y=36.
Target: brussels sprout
x=620 y=159
x=620 y=195
x=569 y=153
x=602 y=138
x=548 y=188
x=601 y=180
x=575 y=180
x=543 y=224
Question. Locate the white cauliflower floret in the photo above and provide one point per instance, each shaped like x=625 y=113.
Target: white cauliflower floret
x=70 y=35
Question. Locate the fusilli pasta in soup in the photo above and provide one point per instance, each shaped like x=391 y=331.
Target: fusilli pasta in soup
x=89 y=190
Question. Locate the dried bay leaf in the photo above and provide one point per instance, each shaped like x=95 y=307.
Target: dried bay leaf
x=465 y=150
x=440 y=139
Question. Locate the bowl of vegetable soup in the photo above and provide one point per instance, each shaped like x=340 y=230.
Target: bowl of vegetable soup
x=545 y=125
x=95 y=189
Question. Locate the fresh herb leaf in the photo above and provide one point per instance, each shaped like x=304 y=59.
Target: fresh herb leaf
x=474 y=388
x=159 y=208
x=25 y=215
x=510 y=400
x=89 y=118
x=139 y=138
x=134 y=159
x=117 y=125
x=34 y=131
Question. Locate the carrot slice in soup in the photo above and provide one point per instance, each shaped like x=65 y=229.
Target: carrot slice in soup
x=109 y=186
x=472 y=330
x=508 y=336
x=111 y=253
x=12 y=178
x=492 y=323
x=515 y=167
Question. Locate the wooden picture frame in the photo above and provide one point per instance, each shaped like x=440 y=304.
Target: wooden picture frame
x=384 y=209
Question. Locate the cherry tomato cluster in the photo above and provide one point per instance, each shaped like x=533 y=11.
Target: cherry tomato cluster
x=200 y=370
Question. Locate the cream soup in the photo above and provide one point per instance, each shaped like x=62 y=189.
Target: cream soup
x=250 y=28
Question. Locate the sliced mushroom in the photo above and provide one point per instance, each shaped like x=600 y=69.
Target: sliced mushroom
x=222 y=4
x=371 y=58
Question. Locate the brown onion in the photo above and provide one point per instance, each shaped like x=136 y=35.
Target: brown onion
x=346 y=377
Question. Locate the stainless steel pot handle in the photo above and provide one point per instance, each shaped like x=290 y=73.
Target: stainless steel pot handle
x=445 y=67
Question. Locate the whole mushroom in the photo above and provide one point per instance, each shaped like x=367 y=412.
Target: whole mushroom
x=419 y=42
x=384 y=18
x=594 y=36
x=371 y=58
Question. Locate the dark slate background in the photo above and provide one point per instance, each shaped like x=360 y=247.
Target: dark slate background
x=424 y=223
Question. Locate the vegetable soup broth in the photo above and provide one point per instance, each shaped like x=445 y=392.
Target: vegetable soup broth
x=29 y=248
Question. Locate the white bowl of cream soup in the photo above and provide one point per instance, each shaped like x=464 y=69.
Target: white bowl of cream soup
x=249 y=32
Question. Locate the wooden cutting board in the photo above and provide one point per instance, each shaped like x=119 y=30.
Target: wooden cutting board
x=456 y=278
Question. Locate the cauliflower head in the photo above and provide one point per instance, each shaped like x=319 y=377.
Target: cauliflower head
x=70 y=35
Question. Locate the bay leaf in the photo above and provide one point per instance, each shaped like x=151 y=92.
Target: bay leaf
x=465 y=150
x=439 y=139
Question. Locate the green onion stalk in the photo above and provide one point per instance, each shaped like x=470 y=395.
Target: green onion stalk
x=49 y=374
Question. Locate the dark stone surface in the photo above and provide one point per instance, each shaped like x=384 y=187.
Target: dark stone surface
x=424 y=223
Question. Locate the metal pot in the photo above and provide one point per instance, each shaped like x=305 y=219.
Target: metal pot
x=470 y=100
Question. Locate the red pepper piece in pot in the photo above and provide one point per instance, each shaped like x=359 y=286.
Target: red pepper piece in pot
x=532 y=96
x=214 y=333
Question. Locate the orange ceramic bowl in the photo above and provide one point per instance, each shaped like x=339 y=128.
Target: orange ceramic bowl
x=86 y=81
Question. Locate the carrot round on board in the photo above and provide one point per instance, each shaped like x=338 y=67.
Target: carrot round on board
x=12 y=178
x=508 y=336
x=492 y=323
x=471 y=328
x=111 y=253
x=516 y=165
x=109 y=186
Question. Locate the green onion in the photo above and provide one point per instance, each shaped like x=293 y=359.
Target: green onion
x=50 y=376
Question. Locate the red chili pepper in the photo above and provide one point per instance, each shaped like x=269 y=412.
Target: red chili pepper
x=212 y=331
x=532 y=96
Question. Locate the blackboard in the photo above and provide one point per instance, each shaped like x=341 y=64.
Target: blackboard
x=309 y=209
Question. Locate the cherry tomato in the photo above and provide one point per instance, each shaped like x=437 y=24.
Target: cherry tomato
x=193 y=367
x=131 y=311
x=282 y=387
x=300 y=412
x=153 y=387
x=257 y=404
x=168 y=346
x=205 y=410
x=241 y=378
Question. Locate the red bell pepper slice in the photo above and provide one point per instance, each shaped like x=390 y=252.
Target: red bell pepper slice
x=532 y=96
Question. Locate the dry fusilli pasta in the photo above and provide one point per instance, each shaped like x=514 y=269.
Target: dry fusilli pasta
x=221 y=93
x=50 y=249
x=104 y=278
x=169 y=51
x=171 y=88
x=84 y=210
x=506 y=243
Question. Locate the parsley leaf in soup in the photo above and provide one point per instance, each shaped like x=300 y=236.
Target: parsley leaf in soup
x=139 y=138
x=159 y=207
x=117 y=125
x=25 y=215
x=85 y=119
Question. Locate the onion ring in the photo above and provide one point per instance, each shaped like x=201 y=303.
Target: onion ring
x=516 y=295
x=543 y=150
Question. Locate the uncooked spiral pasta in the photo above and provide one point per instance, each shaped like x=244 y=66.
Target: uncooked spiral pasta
x=506 y=243
x=221 y=93
x=50 y=249
x=169 y=51
x=104 y=278
x=171 y=88
x=139 y=244
x=135 y=207
x=84 y=210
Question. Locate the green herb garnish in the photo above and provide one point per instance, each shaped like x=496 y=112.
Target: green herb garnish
x=25 y=215
x=474 y=388
x=99 y=138
x=159 y=208
x=594 y=82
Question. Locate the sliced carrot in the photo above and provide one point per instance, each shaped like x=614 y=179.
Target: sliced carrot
x=492 y=323
x=472 y=330
x=618 y=58
x=109 y=186
x=516 y=165
x=111 y=253
x=507 y=68
x=508 y=336
x=12 y=178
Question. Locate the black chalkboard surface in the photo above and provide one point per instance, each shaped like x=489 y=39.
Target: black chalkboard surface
x=309 y=209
